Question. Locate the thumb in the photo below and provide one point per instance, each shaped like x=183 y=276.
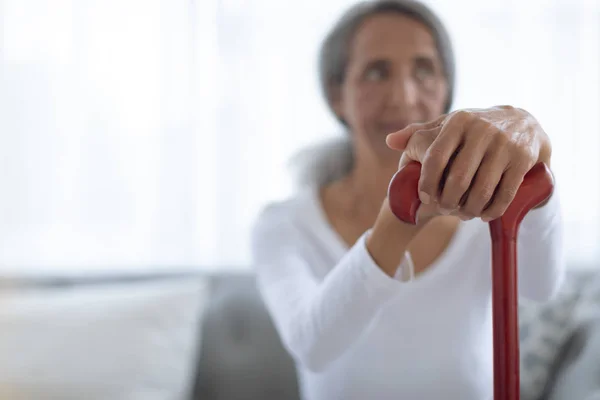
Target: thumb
x=399 y=140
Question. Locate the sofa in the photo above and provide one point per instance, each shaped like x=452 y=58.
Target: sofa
x=241 y=354
x=242 y=357
x=196 y=335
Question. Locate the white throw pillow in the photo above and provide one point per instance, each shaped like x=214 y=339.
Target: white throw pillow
x=117 y=341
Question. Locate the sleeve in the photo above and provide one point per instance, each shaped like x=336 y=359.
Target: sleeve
x=317 y=320
x=540 y=251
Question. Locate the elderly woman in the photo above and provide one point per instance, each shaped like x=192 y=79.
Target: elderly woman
x=368 y=306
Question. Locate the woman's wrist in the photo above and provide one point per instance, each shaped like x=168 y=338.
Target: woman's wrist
x=389 y=240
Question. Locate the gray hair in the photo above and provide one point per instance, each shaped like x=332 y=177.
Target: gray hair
x=335 y=49
x=323 y=164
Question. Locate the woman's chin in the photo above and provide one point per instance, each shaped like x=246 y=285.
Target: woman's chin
x=387 y=156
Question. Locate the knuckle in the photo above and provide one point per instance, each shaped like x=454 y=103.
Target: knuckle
x=448 y=204
x=427 y=134
x=521 y=161
x=427 y=188
x=486 y=125
x=466 y=217
x=493 y=214
x=507 y=194
x=501 y=140
x=464 y=115
x=477 y=129
x=459 y=179
x=468 y=211
x=486 y=191
x=525 y=155
x=495 y=210
x=502 y=209
x=434 y=158
x=427 y=184
x=451 y=204
x=506 y=107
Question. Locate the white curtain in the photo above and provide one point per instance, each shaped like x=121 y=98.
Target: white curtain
x=138 y=134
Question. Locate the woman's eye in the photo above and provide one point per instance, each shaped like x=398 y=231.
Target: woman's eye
x=424 y=69
x=423 y=73
x=375 y=74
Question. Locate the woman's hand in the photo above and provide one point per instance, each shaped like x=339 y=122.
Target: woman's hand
x=473 y=161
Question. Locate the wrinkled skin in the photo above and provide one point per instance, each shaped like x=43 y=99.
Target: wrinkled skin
x=473 y=161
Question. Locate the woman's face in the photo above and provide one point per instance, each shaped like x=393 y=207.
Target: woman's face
x=394 y=77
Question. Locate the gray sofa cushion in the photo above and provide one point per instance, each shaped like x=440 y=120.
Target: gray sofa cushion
x=577 y=376
x=242 y=357
x=544 y=329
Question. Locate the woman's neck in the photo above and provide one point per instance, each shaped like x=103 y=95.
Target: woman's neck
x=367 y=183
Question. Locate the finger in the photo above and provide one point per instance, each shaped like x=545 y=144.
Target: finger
x=462 y=216
x=505 y=193
x=463 y=166
x=487 y=178
x=426 y=212
x=439 y=153
x=399 y=140
x=418 y=144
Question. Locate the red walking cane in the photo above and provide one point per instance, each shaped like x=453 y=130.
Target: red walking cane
x=537 y=186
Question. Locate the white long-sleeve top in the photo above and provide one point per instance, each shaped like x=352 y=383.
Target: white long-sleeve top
x=356 y=333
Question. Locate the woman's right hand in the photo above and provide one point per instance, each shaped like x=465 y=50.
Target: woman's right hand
x=473 y=161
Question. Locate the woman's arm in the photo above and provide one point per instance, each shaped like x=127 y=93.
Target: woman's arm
x=318 y=320
x=540 y=251
x=479 y=158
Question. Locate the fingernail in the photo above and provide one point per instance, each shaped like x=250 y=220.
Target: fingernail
x=424 y=197
x=486 y=219
x=445 y=211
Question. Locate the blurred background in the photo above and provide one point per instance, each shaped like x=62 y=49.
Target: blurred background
x=140 y=138
x=148 y=133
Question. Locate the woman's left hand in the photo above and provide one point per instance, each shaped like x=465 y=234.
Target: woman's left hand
x=474 y=160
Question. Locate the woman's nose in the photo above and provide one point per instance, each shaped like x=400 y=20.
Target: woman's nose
x=404 y=93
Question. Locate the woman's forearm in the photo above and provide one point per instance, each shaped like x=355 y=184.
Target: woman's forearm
x=389 y=240
x=319 y=320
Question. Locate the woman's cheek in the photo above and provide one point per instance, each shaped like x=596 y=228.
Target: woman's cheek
x=369 y=104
